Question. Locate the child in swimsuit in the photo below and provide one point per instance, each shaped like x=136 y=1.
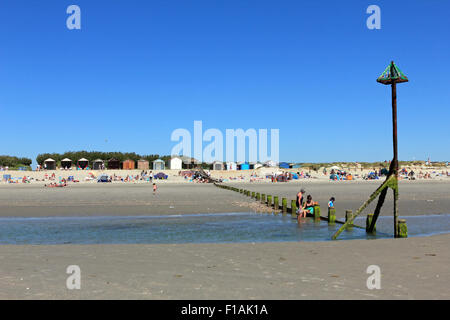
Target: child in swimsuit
x=331 y=202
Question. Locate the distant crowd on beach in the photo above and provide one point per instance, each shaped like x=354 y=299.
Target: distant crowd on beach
x=271 y=175
x=51 y=180
x=404 y=174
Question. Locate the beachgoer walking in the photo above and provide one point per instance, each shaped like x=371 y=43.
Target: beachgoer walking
x=154 y=188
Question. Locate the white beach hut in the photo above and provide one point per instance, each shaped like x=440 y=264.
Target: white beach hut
x=175 y=163
x=231 y=166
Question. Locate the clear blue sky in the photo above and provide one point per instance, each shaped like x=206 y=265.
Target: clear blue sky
x=137 y=70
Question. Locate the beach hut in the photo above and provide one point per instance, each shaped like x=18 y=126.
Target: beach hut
x=66 y=163
x=143 y=164
x=158 y=164
x=270 y=163
x=113 y=164
x=98 y=164
x=176 y=163
x=189 y=163
x=231 y=166
x=284 y=165
x=244 y=166
x=217 y=165
x=128 y=165
x=83 y=163
x=252 y=165
x=49 y=164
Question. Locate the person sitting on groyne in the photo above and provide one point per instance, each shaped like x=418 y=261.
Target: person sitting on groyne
x=308 y=207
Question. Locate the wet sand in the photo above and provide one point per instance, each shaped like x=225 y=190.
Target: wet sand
x=416 y=198
x=414 y=268
x=115 y=200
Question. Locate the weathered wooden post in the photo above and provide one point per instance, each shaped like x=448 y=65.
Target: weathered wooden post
x=369 y=223
x=284 y=204
x=258 y=196
x=349 y=217
x=263 y=198
x=331 y=216
x=253 y=194
x=391 y=76
x=269 y=201
x=317 y=213
x=275 y=203
x=293 y=208
x=402 y=229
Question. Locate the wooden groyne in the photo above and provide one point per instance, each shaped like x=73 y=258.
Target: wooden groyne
x=272 y=201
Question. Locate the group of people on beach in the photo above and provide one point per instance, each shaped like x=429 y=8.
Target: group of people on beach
x=307 y=207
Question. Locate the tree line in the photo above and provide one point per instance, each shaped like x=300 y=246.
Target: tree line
x=14 y=162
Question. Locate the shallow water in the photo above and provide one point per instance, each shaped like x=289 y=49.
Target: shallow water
x=198 y=228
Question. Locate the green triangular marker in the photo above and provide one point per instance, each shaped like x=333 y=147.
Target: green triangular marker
x=392 y=74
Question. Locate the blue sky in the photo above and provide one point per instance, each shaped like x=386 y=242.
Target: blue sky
x=137 y=70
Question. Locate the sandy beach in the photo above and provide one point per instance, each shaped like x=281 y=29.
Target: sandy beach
x=413 y=268
x=93 y=199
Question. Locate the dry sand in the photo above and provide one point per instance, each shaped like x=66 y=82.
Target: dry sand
x=413 y=268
